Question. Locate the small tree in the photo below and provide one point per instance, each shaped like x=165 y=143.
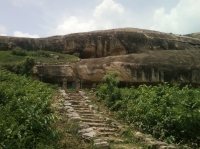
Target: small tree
x=109 y=90
x=19 y=51
x=25 y=68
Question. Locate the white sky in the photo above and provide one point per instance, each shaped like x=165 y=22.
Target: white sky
x=42 y=18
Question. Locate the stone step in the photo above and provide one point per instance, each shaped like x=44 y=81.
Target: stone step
x=97 y=125
x=106 y=134
x=107 y=129
x=101 y=144
x=75 y=98
x=77 y=103
x=92 y=120
x=73 y=101
x=87 y=115
x=113 y=139
x=84 y=111
x=79 y=106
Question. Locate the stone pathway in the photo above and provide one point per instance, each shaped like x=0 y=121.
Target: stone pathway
x=94 y=125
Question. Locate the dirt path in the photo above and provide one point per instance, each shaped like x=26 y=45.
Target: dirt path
x=105 y=132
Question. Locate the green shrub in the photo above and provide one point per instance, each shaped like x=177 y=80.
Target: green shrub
x=109 y=90
x=19 y=52
x=25 y=67
x=26 y=114
x=167 y=112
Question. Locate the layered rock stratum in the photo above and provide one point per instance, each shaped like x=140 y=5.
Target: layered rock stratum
x=141 y=56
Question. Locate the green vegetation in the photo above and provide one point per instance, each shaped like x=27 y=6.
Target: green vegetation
x=168 y=113
x=26 y=113
x=28 y=116
x=21 y=61
x=19 y=52
x=17 y=56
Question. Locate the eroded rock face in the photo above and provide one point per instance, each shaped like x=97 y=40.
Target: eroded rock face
x=141 y=56
x=181 y=66
x=194 y=35
x=98 y=44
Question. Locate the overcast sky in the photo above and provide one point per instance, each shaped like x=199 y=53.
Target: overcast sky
x=42 y=18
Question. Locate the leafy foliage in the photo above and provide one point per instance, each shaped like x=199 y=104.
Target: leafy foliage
x=25 y=68
x=19 y=52
x=48 y=57
x=26 y=114
x=109 y=90
x=167 y=112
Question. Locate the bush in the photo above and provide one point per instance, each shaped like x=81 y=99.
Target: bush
x=25 y=67
x=168 y=113
x=26 y=115
x=109 y=90
x=19 y=52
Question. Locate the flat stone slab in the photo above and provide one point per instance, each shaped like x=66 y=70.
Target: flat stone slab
x=97 y=124
x=87 y=130
x=66 y=103
x=168 y=147
x=107 y=134
x=73 y=114
x=86 y=98
x=92 y=120
x=89 y=135
x=83 y=125
x=84 y=111
x=67 y=98
x=62 y=91
x=68 y=107
x=93 y=107
x=63 y=94
x=70 y=110
x=76 y=118
x=103 y=144
x=103 y=129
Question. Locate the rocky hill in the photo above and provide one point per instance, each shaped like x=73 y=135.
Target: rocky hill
x=141 y=56
x=104 y=43
x=181 y=66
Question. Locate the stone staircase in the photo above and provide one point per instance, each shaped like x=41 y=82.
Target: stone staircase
x=97 y=127
x=93 y=126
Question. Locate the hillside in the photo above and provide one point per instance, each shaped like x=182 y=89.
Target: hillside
x=103 y=43
x=141 y=56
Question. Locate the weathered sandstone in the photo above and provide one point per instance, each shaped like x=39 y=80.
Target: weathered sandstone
x=141 y=56
x=182 y=66
x=114 y=42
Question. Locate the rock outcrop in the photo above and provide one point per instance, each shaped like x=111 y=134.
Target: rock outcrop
x=98 y=44
x=141 y=56
x=181 y=66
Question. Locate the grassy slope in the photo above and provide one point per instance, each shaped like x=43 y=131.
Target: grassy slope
x=47 y=57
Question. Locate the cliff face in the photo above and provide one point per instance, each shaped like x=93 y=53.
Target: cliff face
x=98 y=44
x=148 y=67
x=141 y=56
